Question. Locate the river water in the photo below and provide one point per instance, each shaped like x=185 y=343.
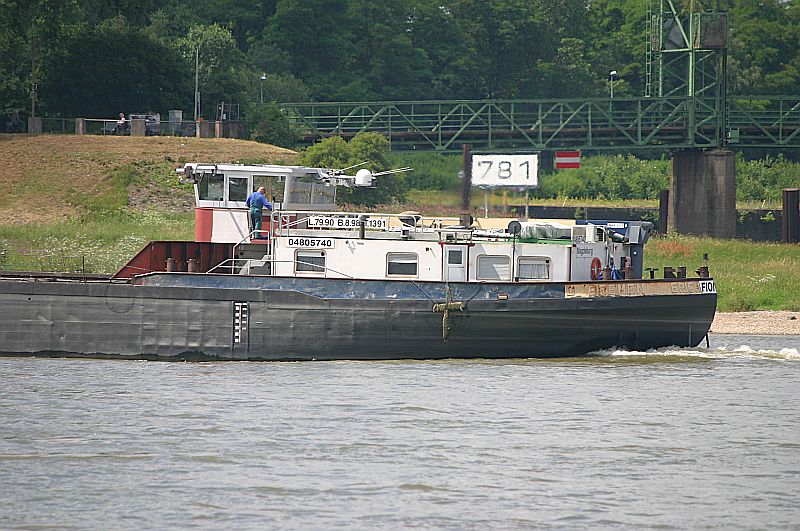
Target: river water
x=672 y=439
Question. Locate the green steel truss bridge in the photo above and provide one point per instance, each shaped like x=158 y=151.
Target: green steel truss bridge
x=665 y=123
x=686 y=104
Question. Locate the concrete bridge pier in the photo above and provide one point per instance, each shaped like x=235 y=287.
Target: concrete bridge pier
x=702 y=193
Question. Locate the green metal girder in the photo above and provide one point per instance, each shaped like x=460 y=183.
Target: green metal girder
x=593 y=124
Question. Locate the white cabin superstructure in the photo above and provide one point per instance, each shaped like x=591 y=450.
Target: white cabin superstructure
x=428 y=249
x=305 y=237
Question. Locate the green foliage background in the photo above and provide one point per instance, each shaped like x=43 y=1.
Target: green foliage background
x=96 y=58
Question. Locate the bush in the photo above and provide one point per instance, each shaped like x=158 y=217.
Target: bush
x=764 y=180
x=608 y=177
x=432 y=171
x=268 y=125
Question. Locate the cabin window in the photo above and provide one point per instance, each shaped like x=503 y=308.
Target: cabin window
x=237 y=188
x=309 y=261
x=533 y=268
x=211 y=187
x=402 y=264
x=455 y=257
x=494 y=267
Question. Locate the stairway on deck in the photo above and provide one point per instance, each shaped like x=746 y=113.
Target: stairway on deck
x=258 y=255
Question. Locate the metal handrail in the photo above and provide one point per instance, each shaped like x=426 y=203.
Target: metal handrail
x=233 y=261
x=422 y=222
x=246 y=238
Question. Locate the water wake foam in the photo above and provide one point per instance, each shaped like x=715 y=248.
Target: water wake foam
x=741 y=352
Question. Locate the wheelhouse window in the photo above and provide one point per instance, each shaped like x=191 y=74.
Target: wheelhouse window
x=533 y=268
x=494 y=267
x=211 y=187
x=311 y=193
x=323 y=194
x=301 y=192
x=309 y=261
x=402 y=264
x=273 y=185
x=455 y=257
x=237 y=188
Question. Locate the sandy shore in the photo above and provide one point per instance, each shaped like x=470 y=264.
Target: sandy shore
x=757 y=323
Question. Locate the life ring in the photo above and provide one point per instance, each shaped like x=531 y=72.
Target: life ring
x=596 y=268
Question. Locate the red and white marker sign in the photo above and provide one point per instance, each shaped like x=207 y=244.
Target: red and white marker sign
x=568 y=159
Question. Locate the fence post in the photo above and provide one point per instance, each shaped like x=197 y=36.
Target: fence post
x=80 y=126
x=35 y=125
x=138 y=127
x=790 y=223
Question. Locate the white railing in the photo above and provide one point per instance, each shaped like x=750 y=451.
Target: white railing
x=282 y=221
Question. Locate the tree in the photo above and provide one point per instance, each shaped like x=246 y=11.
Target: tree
x=385 y=57
x=764 y=56
x=217 y=63
x=284 y=88
x=100 y=71
x=321 y=54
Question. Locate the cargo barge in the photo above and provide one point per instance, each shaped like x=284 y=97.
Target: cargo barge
x=320 y=284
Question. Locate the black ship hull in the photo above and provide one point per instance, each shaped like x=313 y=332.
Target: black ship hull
x=198 y=316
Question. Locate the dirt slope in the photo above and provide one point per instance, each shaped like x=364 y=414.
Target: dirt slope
x=35 y=171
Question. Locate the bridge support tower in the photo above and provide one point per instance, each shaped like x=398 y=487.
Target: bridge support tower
x=702 y=194
x=687 y=57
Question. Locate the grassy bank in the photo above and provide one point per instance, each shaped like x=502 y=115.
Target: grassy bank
x=90 y=203
x=748 y=275
x=101 y=245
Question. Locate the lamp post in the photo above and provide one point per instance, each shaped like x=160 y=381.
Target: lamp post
x=612 y=76
x=196 y=82
x=263 y=78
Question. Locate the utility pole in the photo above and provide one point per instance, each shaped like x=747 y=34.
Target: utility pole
x=466 y=191
x=33 y=77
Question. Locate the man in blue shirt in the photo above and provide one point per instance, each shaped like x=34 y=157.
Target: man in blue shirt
x=256 y=202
